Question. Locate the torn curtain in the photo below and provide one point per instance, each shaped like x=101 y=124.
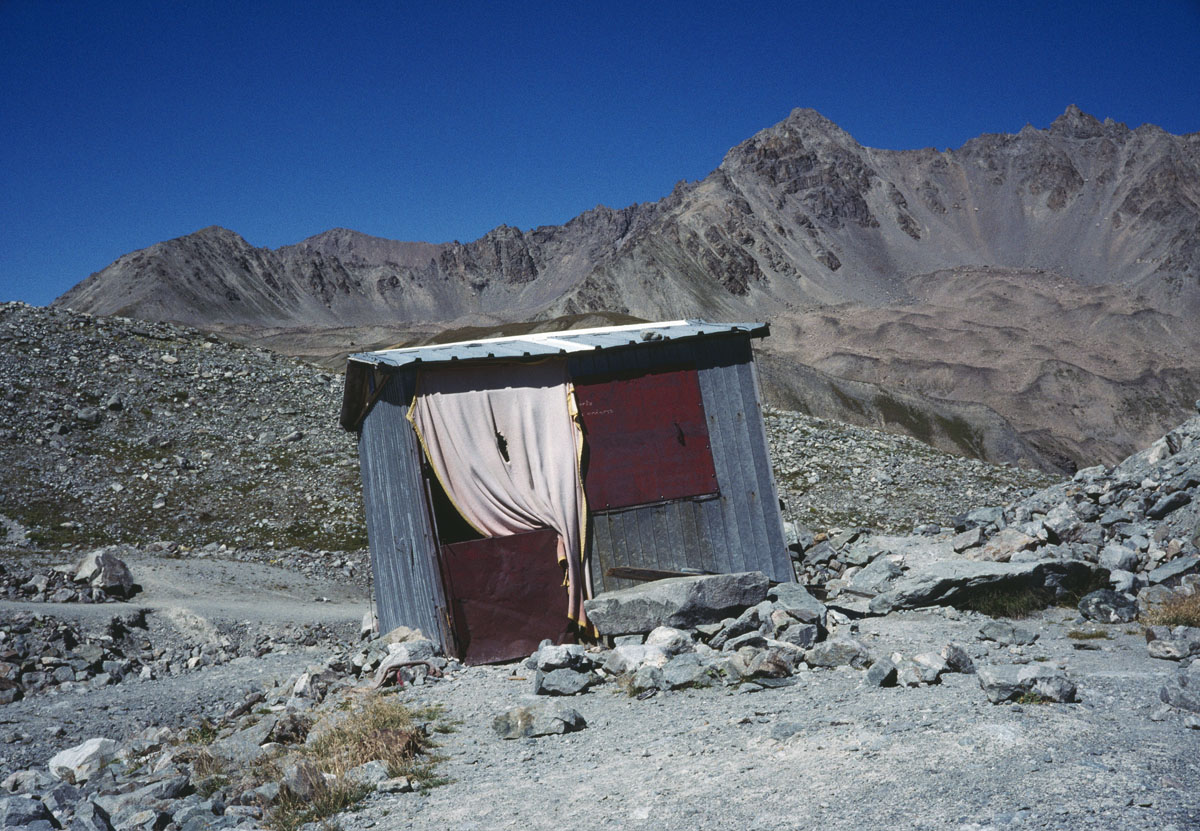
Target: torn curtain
x=505 y=441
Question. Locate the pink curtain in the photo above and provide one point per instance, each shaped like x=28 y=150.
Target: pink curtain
x=505 y=442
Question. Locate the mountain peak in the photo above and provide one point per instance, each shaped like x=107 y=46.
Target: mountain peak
x=1075 y=123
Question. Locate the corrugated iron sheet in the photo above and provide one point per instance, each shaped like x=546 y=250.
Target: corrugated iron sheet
x=555 y=343
x=408 y=585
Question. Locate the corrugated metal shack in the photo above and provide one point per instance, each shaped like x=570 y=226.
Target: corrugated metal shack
x=675 y=469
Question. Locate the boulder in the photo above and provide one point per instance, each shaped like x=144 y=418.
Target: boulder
x=875 y=578
x=1168 y=503
x=970 y=538
x=882 y=673
x=838 y=652
x=1048 y=684
x=1173 y=643
x=1002 y=546
x=81 y=762
x=797 y=602
x=90 y=817
x=550 y=657
x=1169 y=572
x=669 y=640
x=541 y=719
x=1117 y=557
x=102 y=569
x=949 y=581
x=1107 y=606
x=957 y=659
x=1000 y=683
x=562 y=682
x=1007 y=683
x=22 y=811
x=688 y=670
x=679 y=602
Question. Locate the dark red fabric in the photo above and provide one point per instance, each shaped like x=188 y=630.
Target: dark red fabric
x=646 y=439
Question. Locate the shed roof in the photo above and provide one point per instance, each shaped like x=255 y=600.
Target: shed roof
x=360 y=365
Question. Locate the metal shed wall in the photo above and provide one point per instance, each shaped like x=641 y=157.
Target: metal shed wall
x=739 y=530
x=404 y=559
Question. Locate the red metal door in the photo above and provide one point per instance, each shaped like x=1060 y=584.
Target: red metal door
x=506 y=595
x=647 y=438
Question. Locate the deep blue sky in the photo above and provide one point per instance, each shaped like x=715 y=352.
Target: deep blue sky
x=129 y=122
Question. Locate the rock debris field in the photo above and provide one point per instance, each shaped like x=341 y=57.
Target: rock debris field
x=968 y=646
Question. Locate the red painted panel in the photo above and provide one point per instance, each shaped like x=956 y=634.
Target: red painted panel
x=647 y=439
x=506 y=595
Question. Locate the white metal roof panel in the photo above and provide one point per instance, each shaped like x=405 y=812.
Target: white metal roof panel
x=555 y=343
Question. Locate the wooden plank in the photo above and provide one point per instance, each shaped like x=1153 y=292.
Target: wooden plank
x=756 y=433
x=645 y=574
x=722 y=426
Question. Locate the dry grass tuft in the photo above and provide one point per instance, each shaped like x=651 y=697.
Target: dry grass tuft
x=1088 y=635
x=381 y=728
x=1184 y=610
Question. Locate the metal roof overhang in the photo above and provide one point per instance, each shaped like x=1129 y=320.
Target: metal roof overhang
x=366 y=372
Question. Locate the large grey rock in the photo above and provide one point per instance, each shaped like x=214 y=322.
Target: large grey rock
x=1168 y=503
x=838 y=652
x=541 y=719
x=688 y=670
x=882 y=673
x=1006 y=683
x=81 y=762
x=627 y=657
x=104 y=570
x=1180 y=697
x=1173 y=643
x=550 y=657
x=680 y=602
x=1000 y=683
x=1062 y=523
x=796 y=601
x=948 y=581
x=90 y=817
x=1048 y=684
x=562 y=682
x=970 y=538
x=1178 y=567
x=1002 y=546
x=1114 y=557
x=803 y=635
x=245 y=745
x=21 y=811
x=957 y=659
x=1107 y=606
x=875 y=578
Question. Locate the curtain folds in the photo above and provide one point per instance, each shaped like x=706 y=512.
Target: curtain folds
x=509 y=456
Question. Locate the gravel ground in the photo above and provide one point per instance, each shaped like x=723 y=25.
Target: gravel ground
x=828 y=753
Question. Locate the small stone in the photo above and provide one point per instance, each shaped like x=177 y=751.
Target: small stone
x=542 y=719
x=1006 y=634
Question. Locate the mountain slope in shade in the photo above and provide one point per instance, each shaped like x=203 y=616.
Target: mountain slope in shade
x=1052 y=275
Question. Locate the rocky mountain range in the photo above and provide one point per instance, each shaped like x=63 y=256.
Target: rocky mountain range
x=1030 y=297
